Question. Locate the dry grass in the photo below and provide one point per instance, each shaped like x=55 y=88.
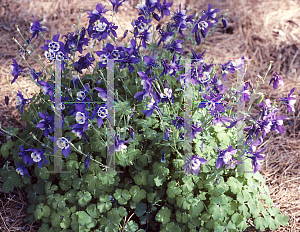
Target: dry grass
x=261 y=30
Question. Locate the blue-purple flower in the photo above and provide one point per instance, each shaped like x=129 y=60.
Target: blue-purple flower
x=211 y=13
x=257 y=158
x=176 y=46
x=37 y=156
x=83 y=63
x=277 y=80
x=226 y=158
x=192 y=164
x=15 y=70
x=97 y=13
x=36 y=28
x=20 y=101
x=63 y=144
x=75 y=42
x=290 y=101
x=164 y=8
x=22 y=170
x=46 y=124
x=116 y=4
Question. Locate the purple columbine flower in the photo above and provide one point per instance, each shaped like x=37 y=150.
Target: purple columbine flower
x=140 y=25
x=24 y=155
x=176 y=46
x=63 y=144
x=36 y=28
x=166 y=36
x=15 y=70
x=129 y=60
x=102 y=93
x=22 y=170
x=55 y=50
x=35 y=75
x=146 y=7
x=116 y=4
x=151 y=106
x=202 y=25
x=132 y=49
x=119 y=145
x=101 y=113
x=37 y=156
x=290 y=100
x=96 y=14
x=226 y=68
x=211 y=13
x=197 y=58
x=211 y=104
x=164 y=8
x=83 y=63
x=102 y=30
x=258 y=126
x=20 y=101
x=277 y=80
x=196 y=129
x=257 y=158
x=276 y=122
x=192 y=164
x=226 y=157
x=147 y=86
x=47 y=124
x=75 y=42
x=179 y=122
x=47 y=88
x=266 y=109
x=81 y=116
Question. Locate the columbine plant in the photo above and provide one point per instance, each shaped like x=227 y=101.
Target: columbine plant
x=152 y=116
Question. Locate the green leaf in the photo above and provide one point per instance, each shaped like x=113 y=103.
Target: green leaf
x=4 y=150
x=140 y=209
x=114 y=217
x=46 y=211
x=83 y=218
x=159 y=181
x=282 y=219
x=43 y=173
x=273 y=211
x=7 y=186
x=163 y=215
x=236 y=218
x=131 y=226
x=235 y=185
x=195 y=210
x=260 y=223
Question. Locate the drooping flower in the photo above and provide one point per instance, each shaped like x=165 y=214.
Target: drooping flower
x=75 y=42
x=36 y=28
x=257 y=158
x=47 y=124
x=34 y=74
x=224 y=21
x=192 y=164
x=277 y=80
x=290 y=101
x=116 y=4
x=22 y=170
x=16 y=71
x=20 y=101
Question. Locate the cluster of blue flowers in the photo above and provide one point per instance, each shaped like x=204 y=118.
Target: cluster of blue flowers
x=100 y=28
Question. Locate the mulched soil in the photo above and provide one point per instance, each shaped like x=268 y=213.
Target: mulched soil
x=263 y=31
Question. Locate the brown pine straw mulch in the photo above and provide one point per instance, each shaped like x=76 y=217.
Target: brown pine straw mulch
x=263 y=31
